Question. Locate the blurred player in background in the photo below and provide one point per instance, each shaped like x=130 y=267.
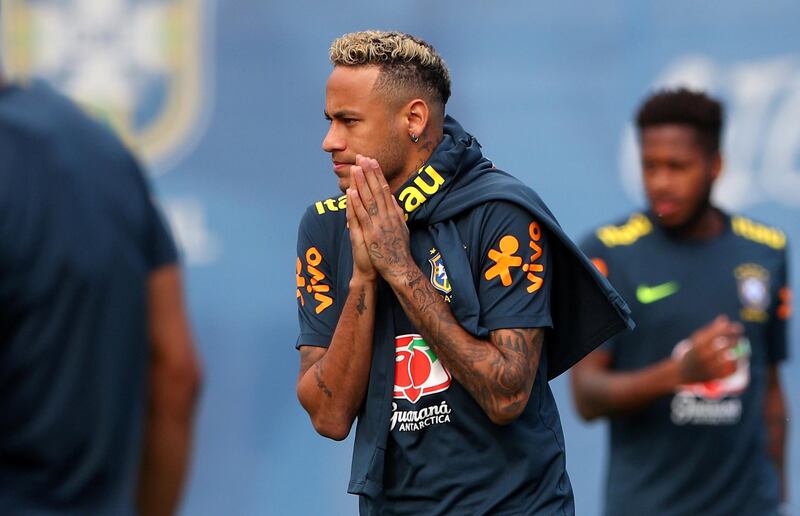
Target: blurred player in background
x=693 y=395
x=439 y=334
x=98 y=375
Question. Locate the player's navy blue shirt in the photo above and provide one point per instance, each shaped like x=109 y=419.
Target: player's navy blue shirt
x=444 y=455
x=79 y=236
x=701 y=450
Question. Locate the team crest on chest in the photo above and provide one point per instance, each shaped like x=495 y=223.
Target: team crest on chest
x=439 y=274
x=753 y=288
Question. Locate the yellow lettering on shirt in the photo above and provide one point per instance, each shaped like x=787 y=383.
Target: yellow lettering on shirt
x=534 y=266
x=315 y=284
x=327 y=205
x=427 y=183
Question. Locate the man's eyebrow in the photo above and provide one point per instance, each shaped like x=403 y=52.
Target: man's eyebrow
x=344 y=113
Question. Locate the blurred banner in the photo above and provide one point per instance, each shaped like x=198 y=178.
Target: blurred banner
x=223 y=102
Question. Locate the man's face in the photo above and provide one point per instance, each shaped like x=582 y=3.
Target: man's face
x=362 y=122
x=677 y=173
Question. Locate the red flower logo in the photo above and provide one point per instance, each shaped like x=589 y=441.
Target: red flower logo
x=418 y=372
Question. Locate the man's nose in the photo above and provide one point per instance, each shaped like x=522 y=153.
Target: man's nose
x=333 y=141
x=660 y=179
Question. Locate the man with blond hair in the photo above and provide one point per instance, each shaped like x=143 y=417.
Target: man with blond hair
x=435 y=300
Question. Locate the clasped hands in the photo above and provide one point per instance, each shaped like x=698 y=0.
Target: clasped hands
x=378 y=230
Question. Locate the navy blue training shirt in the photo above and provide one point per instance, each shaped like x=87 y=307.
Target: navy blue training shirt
x=444 y=455
x=79 y=235
x=702 y=449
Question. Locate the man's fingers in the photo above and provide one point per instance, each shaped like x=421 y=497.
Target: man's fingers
x=381 y=178
x=348 y=210
x=354 y=200
x=384 y=190
x=721 y=326
x=729 y=331
x=382 y=184
x=391 y=202
x=371 y=172
x=400 y=211
x=723 y=342
x=352 y=220
x=363 y=190
x=736 y=328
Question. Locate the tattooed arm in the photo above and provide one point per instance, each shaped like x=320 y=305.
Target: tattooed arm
x=498 y=372
x=333 y=381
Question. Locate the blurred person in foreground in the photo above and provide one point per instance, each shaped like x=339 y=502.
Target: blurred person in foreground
x=693 y=394
x=427 y=320
x=97 y=370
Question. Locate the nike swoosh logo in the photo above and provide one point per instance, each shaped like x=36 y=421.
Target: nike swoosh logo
x=647 y=295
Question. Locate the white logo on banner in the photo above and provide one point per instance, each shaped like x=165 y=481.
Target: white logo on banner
x=139 y=65
x=762 y=133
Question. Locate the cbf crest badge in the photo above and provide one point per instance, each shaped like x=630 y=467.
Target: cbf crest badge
x=753 y=288
x=138 y=65
x=439 y=274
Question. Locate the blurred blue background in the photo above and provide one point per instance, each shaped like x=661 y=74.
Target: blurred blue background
x=224 y=100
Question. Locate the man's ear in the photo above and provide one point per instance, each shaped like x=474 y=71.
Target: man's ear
x=418 y=116
x=716 y=166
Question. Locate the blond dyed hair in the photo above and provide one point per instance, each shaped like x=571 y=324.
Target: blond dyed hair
x=408 y=64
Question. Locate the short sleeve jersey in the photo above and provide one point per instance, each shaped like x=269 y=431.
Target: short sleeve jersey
x=700 y=450
x=79 y=235
x=444 y=455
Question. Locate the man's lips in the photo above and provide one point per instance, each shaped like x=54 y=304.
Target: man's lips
x=340 y=167
x=665 y=207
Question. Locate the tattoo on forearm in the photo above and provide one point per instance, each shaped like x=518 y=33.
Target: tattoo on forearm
x=516 y=346
x=513 y=368
x=423 y=295
x=320 y=382
x=506 y=366
x=361 y=306
x=424 y=300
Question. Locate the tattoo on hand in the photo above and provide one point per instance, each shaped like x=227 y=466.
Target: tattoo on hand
x=361 y=306
x=374 y=252
x=320 y=382
x=373 y=209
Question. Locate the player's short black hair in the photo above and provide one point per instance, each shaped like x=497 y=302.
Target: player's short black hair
x=685 y=107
